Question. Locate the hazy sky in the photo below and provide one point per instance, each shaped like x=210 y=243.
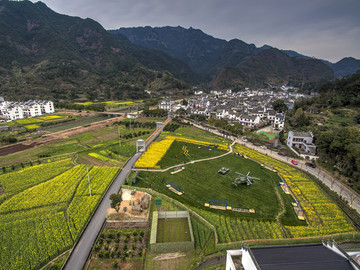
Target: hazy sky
x=327 y=29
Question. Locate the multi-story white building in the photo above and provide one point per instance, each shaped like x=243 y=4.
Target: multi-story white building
x=47 y=106
x=18 y=110
x=279 y=121
x=249 y=120
x=12 y=113
x=166 y=105
x=303 y=141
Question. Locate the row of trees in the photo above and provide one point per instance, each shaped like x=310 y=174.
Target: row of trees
x=236 y=129
x=135 y=124
x=155 y=113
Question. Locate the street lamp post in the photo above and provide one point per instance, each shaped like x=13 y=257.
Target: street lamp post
x=87 y=169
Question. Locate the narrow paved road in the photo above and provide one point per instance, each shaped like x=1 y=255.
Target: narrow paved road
x=82 y=249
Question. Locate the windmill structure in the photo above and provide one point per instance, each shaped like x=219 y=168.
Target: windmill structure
x=243 y=179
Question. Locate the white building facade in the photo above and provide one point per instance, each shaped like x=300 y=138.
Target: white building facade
x=303 y=141
x=19 y=110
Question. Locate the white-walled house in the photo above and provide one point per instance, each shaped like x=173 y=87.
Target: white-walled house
x=271 y=114
x=166 y=105
x=19 y=110
x=31 y=110
x=11 y=113
x=279 y=121
x=303 y=141
x=47 y=106
x=249 y=120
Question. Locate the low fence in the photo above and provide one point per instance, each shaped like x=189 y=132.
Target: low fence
x=173 y=214
x=169 y=246
x=341 y=237
x=172 y=247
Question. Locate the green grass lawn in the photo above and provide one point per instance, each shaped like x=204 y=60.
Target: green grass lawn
x=173 y=230
x=175 y=154
x=201 y=182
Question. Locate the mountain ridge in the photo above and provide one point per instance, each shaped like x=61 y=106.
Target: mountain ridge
x=130 y=32
x=219 y=60
x=49 y=55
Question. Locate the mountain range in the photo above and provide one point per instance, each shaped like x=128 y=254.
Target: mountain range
x=47 y=55
x=208 y=55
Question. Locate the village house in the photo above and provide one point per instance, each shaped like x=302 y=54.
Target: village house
x=249 y=120
x=303 y=141
x=166 y=105
x=279 y=121
x=19 y=110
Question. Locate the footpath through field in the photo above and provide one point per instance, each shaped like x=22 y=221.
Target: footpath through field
x=335 y=185
x=191 y=162
x=82 y=249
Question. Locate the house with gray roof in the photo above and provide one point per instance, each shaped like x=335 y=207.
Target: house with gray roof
x=304 y=141
x=325 y=256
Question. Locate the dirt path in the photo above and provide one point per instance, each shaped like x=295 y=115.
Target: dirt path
x=283 y=231
x=191 y=162
x=56 y=136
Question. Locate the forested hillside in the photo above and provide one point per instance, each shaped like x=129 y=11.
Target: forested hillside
x=336 y=127
x=47 y=55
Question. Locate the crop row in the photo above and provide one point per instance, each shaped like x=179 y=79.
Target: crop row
x=154 y=153
x=230 y=229
x=102 y=157
x=201 y=234
x=15 y=182
x=180 y=139
x=44 y=220
x=58 y=189
x=158 y=149
x=323 y=215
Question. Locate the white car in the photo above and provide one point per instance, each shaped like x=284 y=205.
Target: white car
x=244 y=140
x=263 y=147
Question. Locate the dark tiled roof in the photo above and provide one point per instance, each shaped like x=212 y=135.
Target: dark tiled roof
x=304 y=257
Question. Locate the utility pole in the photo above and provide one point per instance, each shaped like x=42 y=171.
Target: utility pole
x=119 y=136
x=87 y=169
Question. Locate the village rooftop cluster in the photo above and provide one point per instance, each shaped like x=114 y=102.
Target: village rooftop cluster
x=251 y=108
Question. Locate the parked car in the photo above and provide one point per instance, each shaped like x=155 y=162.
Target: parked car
x=310 y=164
x=244 y=140
x=281 y=154
x=263 y=147
x=293 y=161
